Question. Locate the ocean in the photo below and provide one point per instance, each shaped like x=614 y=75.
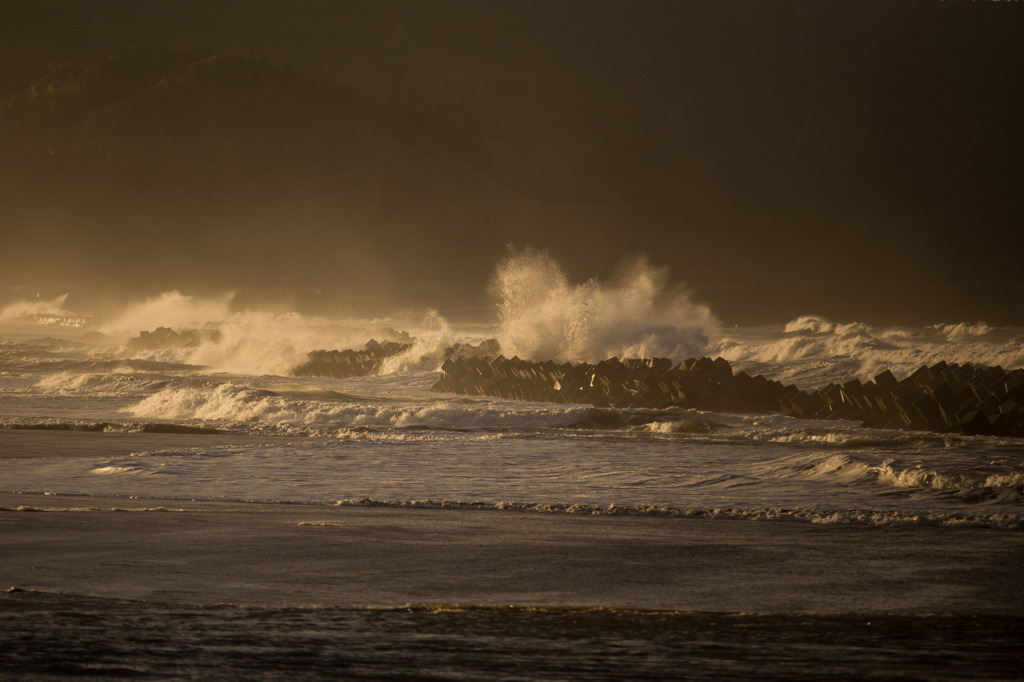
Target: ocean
x=813 y=549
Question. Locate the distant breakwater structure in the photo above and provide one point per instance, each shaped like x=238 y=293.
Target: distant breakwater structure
x=343 y=364
x=946 y=398
x=943 y=397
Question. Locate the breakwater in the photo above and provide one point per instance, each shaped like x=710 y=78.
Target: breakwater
x=947 y=398
x=164 y=338
x=350 y=362
x=944 y=397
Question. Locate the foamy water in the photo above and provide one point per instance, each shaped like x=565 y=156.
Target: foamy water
x=214 y=415
x=389 y=439
x=544 y=316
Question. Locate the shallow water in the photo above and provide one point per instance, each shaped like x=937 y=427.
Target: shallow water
x=55 y=637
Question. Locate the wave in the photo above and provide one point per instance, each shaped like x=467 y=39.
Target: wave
x=857 y=517
x=266 y=343
x=42 y=312
x=546 y=317
x=812 y=351
x=125 y=365
x=105 y=385
x=109 y=426
x=329 y=411
x=239 y=403
x=597 y=322
x=814 y=324
x=844 y=435
x=840 y=517
x=403 y=400
x=29 y=424
x=805 y=434
x=539 y=313
x=971 y=483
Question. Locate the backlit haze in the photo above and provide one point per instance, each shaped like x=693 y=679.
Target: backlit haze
x=688 y=164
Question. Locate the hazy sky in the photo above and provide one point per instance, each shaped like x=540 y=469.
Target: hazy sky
x=851 y=158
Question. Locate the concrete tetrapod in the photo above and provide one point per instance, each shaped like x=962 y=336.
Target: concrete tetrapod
x=943 y=397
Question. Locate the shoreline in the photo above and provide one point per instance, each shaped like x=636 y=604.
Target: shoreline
x=281 y=555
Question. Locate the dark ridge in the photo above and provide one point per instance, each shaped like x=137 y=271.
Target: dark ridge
x=349 y=363
x=946 y=398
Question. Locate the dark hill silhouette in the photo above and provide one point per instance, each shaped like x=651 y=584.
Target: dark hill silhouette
x=154 y=166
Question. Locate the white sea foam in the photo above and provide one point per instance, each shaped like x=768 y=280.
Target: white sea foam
x=967 y=478
x=812 y=351
x=169 y=309
x=814 y=324
x=681 y=426
x=42 y=311
x=543 y=315
x=963 y=330
x=114 y=470
x=253 y=342
x=389 y=438
x=114 y=384
x=995 y=484
x=231 y=403
x=807 y=515
x=222 y=402
x=640 y=314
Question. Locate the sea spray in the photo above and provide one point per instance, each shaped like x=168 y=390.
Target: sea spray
x=170 y=309
x=639 y=314
x=48 y=312
x=812 y=351
x=208 y=332
x=541 y=315
x=33 y=307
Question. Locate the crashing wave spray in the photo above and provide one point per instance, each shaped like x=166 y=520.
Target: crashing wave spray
x=170 y=309
x=41 y=311
x=812 y=351
x=251 y=341
x=544 y=316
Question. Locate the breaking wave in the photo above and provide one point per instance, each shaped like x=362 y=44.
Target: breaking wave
x=48 y=312
x=544 y=316
x=114 y=384
x=235 y=403
x=812 y=351
x=970 y=483
x=540 y=315
x=979 y=485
